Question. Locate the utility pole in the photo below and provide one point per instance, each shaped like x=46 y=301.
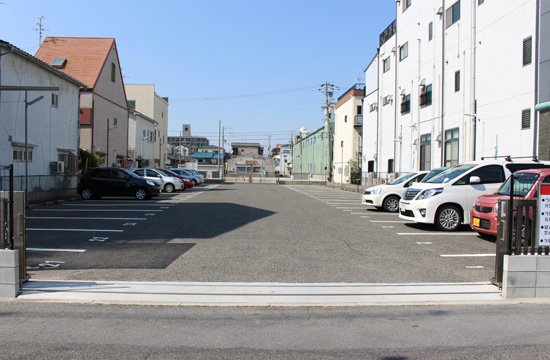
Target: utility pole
x=219 y=141
x=328 y=89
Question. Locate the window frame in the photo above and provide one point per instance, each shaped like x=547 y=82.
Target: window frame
x=404 y=51
x=386 y=65
x=457 y=81
x=406 y=104
x=451 y=157
x=452 y=14
x=426 y=96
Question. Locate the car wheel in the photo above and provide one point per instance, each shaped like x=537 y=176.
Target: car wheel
x=391 y=203
x=169 y=188
x=448 y=218
x=142 y=194
x=87 y=194
x=194 y=182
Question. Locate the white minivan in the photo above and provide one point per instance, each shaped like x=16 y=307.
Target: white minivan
x=446 y=199
x=387 y=196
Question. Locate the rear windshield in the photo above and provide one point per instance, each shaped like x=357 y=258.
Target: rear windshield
x=523 y=182
x=451 y=173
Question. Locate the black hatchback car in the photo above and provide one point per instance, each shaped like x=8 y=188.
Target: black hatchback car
x=98 y=182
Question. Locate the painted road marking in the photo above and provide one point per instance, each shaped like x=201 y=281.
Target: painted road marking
x=389 y=221
x=57 y=250
x=441 y=233
x=96 y=205
x=79 y=218
x=469 y=255
x=475 y=267
x=83 y=230
x=90 y=210
x=424 y=242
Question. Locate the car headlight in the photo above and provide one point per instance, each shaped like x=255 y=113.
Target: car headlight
x=426 y=194
x=372 y=191
x=150 y=182
x=495 y=209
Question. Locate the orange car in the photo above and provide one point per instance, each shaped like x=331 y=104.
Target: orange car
x=484 y=214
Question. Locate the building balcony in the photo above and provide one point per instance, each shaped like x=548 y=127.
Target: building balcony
x=358 y=121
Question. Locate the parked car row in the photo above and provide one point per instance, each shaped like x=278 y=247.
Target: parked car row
x=462 y=194
x=142 y=183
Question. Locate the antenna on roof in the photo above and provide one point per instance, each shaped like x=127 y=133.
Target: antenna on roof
x=40 y=28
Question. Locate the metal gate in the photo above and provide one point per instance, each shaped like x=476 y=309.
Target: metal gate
x=12 y=218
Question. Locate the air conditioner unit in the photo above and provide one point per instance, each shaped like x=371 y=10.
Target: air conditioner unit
x=57 y=167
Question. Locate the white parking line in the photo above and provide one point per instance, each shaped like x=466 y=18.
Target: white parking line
x=469 y=255
x=78 y=218
x=90 y=210
x=61 y=250
x=390 y=221
x=83 y=230
x=441 y=233
x=166 y=204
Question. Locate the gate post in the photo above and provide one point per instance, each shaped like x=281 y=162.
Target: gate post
x=503 y=240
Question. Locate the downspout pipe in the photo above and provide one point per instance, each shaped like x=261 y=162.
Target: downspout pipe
x=443 y=86
x=536 y=115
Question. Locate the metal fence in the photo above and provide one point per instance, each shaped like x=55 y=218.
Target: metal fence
x=39 y=183
x=517 y=233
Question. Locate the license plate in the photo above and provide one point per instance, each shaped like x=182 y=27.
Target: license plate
x=476 y=221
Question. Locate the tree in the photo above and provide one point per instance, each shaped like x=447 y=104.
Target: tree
x=86 y=160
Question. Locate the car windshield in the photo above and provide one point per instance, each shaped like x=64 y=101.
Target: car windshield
x=132 y=174
x=164 y=173
x=432 y=174
x=523 y=182
x=451 y=173
x=402 y=179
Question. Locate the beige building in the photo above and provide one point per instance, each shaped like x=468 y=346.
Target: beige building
x=143 y=98
x=348 y=129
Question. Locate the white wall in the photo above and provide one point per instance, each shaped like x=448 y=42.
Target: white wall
x=50 y=128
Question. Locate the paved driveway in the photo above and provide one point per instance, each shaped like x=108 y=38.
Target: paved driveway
x=247 y=233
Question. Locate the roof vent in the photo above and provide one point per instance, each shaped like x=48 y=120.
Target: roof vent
x=59 y=63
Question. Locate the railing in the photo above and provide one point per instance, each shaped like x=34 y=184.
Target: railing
x=358 y=121
x=41 y=182
x=387 y=33
x=357 y=86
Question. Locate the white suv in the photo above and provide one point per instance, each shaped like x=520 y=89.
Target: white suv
x=446 y=199
x=387 y=196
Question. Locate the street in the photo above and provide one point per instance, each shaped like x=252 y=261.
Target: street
x=247 y=233
x=76 y=331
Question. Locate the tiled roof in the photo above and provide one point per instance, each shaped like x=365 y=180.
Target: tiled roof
x=85 y=56
x=39 y=62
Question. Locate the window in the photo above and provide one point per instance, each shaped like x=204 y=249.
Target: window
x=489 y=174
x=479 y=2
x=115 y=122
x=346 y=118
x=406 y=104
x=525 y=119
x=373 y=107
x=457 y=81
x=113 y=72
x=359 y=110
x=425 y=151
x=406 y=4
x=426 y=96
x=453 y=14
x=19 y=154
x=404 y=51
x=451 y=147
x=386 y=63
x=430 y=31
x=64 y=157
x=55 y=100
x=527 y=50
x=131 y=104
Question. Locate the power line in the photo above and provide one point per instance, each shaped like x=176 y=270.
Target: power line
x=244 y=95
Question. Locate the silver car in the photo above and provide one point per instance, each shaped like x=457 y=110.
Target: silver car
x=169 y=183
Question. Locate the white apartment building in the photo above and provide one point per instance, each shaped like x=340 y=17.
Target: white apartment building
x=348 y=131
x=141 y=144
x=143 y=98
x=451 y=82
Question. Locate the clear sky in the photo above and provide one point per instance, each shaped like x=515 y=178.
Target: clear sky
x=256 y=65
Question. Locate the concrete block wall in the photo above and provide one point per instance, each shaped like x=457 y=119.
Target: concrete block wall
x=526 y=276
x=9 y=273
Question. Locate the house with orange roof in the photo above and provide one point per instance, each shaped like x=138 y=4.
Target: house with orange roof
x=103 y=105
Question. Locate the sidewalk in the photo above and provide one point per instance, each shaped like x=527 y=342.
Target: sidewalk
x=256 y=294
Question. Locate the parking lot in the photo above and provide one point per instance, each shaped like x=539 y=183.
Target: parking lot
x=247 y=233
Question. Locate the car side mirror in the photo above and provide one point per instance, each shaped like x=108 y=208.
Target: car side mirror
x=475 y=180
